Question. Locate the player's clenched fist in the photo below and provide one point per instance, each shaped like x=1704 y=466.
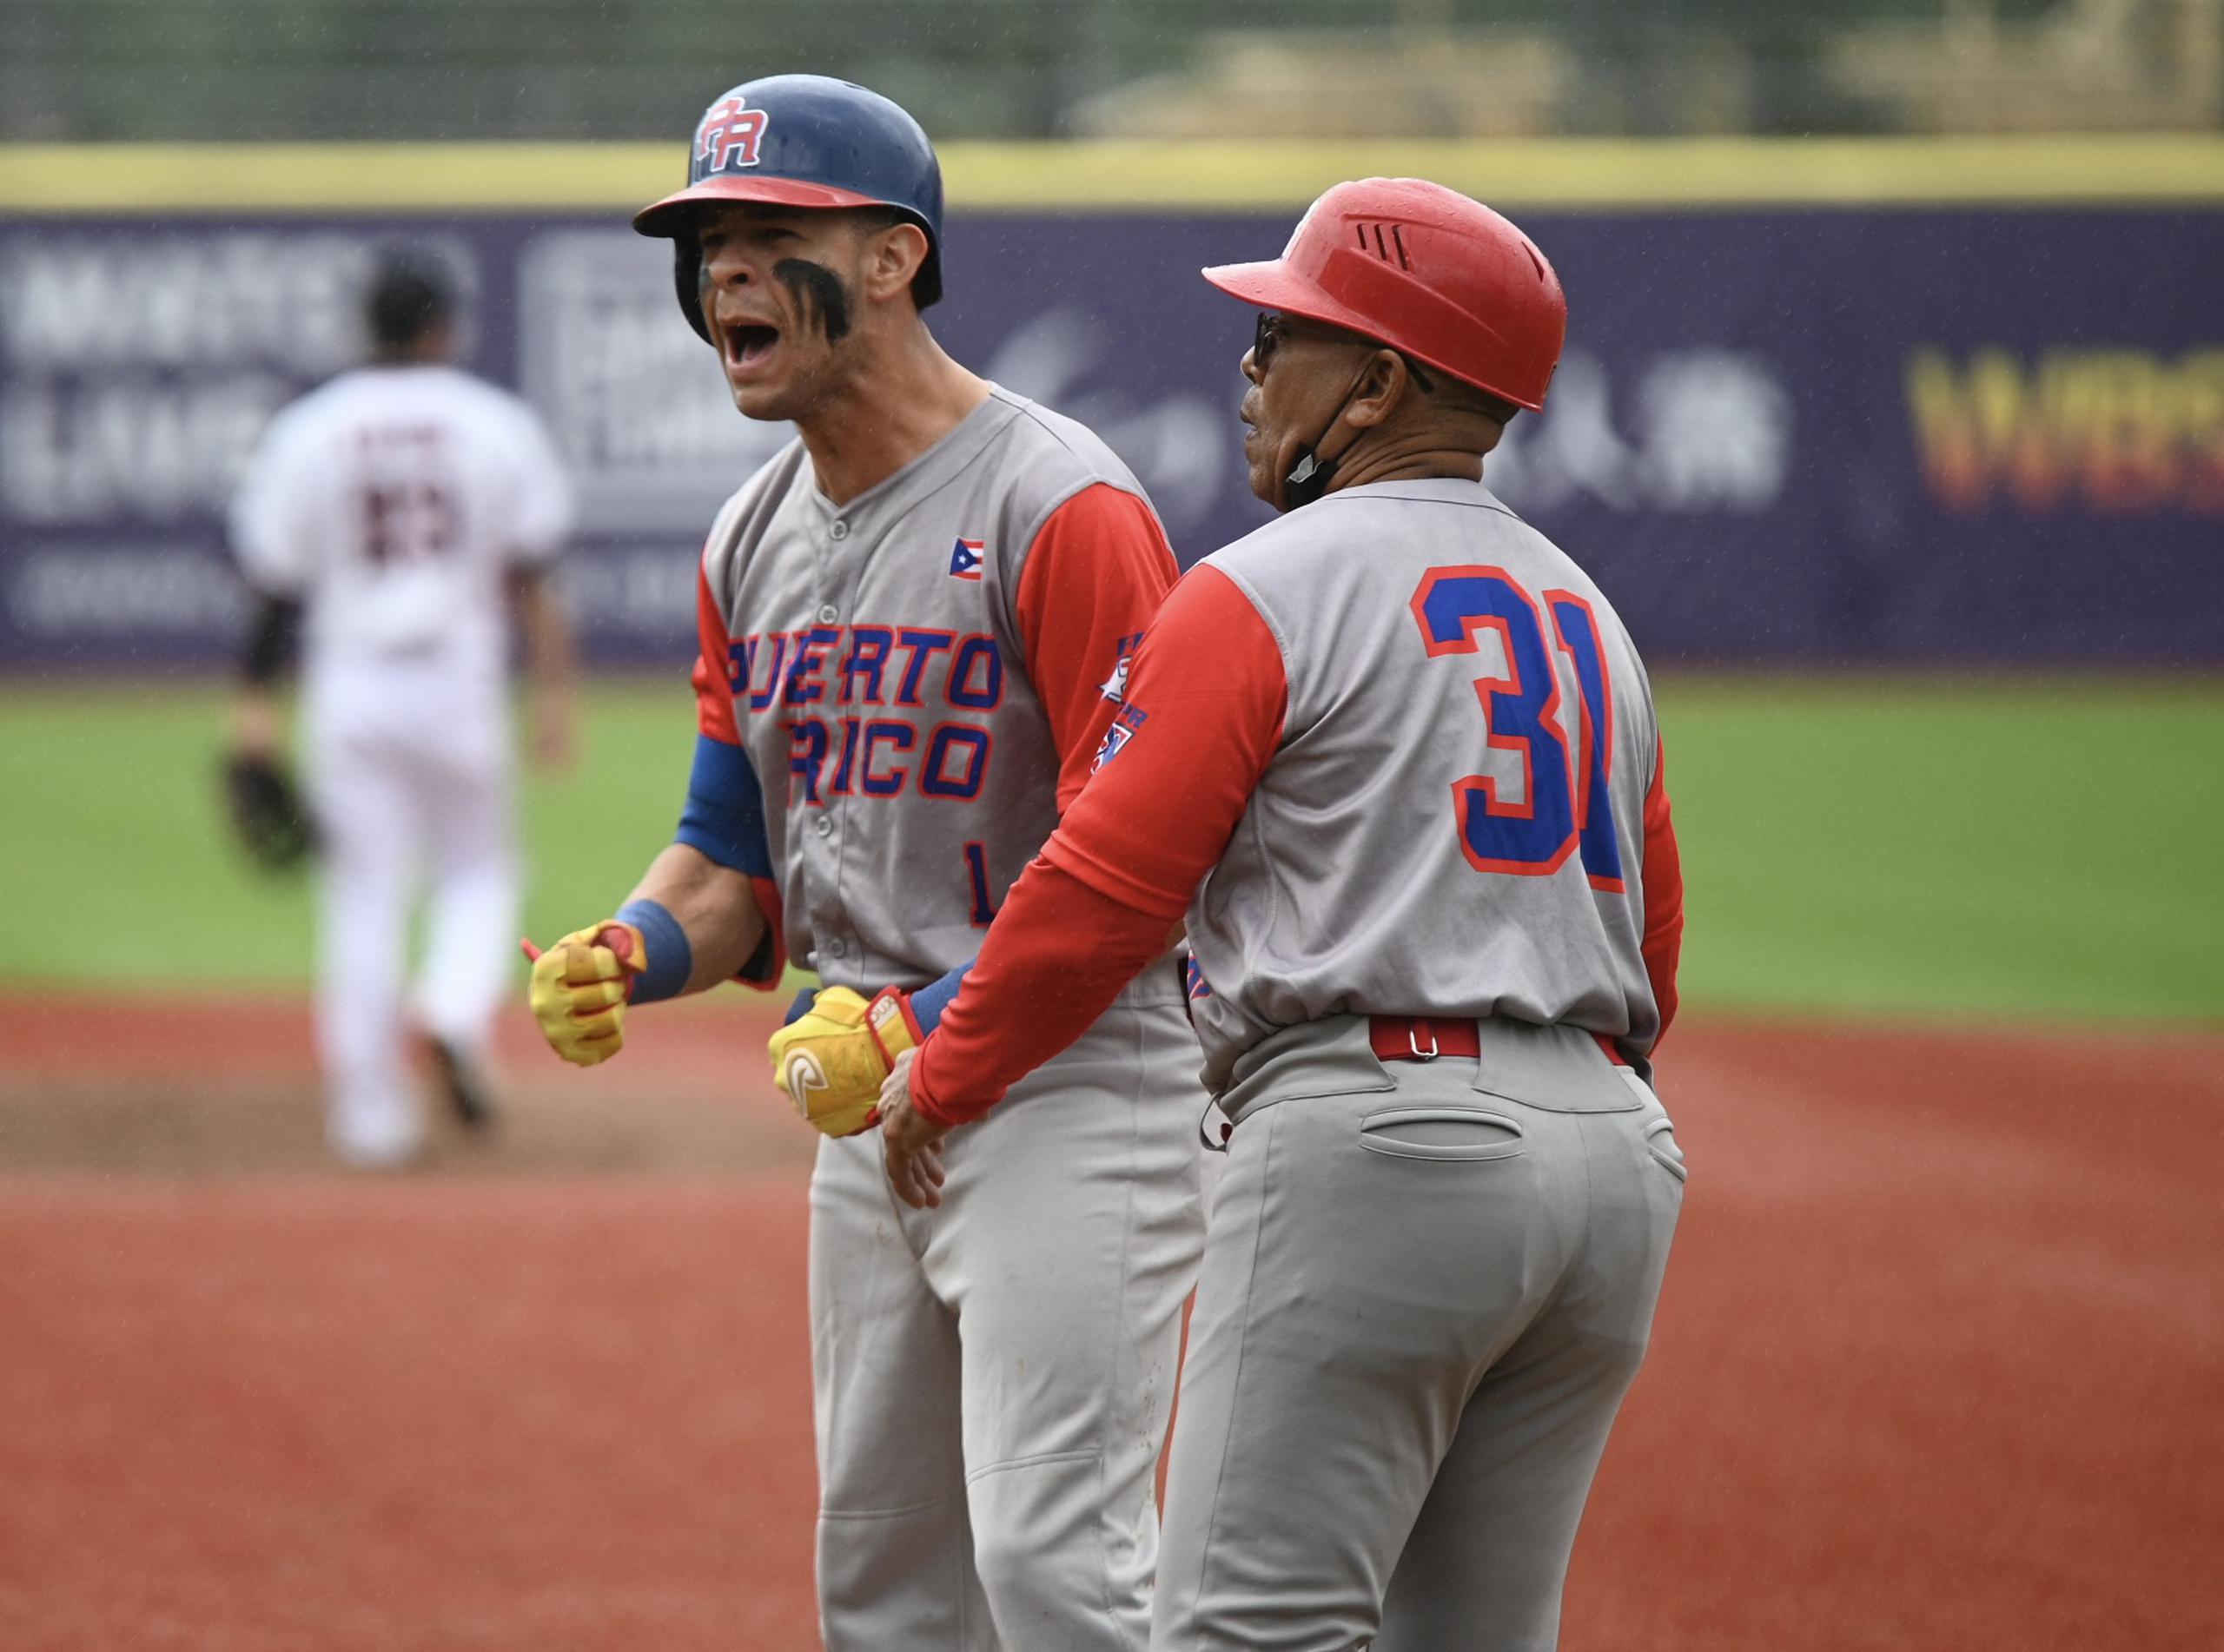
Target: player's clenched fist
x=830 y=1061
x=579 y=988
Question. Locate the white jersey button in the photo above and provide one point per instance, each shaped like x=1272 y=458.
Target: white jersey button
x=828 y=613
x=837 y=947
x=822 y=825
x=840 y=530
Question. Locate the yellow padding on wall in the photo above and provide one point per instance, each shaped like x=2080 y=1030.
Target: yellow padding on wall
x=1571 y=173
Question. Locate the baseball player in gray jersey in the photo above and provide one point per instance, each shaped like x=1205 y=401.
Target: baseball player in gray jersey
x=907 y=620
x=1395 y=757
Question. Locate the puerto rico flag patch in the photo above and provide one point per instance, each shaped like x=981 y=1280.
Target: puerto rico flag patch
x=965 y=558
x=1130 y=718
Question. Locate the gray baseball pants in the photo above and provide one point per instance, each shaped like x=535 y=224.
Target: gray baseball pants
x=1426 y=1287
x=994 y=1377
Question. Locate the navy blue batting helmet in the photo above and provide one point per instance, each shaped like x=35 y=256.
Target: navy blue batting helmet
x=802 y=141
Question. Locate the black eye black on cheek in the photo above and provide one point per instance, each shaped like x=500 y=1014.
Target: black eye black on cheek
x=818 y=293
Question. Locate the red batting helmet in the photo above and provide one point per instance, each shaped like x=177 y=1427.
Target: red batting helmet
x=1428 y=272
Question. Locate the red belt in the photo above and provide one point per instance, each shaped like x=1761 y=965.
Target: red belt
x=1417 y=1038
x=1423 y=1038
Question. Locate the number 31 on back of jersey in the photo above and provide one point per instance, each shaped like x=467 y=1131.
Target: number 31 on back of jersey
x=1564 y=806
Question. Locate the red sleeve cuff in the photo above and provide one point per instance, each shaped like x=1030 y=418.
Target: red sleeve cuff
x=768 y=965
x=925 y=1098
x=893 y=1004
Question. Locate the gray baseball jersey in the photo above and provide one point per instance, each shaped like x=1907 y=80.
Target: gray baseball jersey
x=1445 y=758
x=917 y=677
x=919 y=680
x=1454 y=824
x=1396 y=756
x=1402 y=754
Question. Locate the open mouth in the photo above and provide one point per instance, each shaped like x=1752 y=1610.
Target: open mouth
x=746 y=345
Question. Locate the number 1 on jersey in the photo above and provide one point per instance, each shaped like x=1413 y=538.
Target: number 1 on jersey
x=1565 y=804
x=976 y=874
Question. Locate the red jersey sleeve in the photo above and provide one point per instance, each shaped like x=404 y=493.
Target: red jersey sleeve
x=1202 y=718
x=1663 y=880
x=1096 y=573
x=715 y=718
x=713 y=663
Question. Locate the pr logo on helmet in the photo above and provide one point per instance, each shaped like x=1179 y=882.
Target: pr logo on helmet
x=728 y=137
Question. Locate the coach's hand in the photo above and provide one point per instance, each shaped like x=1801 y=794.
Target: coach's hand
x=579 y=988
x=830 y=1061
x=910 y=1143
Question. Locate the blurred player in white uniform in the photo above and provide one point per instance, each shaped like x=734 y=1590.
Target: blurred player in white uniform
x=397 y=514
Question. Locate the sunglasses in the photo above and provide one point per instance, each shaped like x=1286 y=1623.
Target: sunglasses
x=1276 y=329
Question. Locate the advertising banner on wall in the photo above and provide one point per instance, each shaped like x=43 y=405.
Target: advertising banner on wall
x=1938 y=437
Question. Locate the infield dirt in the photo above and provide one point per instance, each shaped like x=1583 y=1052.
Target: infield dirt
x=1937 y=1365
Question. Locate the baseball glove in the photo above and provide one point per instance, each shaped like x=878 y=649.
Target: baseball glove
x=267 y=813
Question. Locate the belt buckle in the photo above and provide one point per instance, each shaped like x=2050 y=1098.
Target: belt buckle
x=1413 y=1042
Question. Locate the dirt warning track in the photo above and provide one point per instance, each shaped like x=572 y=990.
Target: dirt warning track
x=1935 y=1368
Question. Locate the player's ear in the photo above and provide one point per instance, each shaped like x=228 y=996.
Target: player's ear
x=893 y=256
x=1386 y=383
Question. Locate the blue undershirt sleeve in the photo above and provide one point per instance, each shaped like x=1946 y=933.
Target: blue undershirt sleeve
x=929 y=1002
x=724 y=821
x=725 y=817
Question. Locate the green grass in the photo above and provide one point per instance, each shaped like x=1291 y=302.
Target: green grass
x=118 y=857
x=2030 y=849
x=2011 y=849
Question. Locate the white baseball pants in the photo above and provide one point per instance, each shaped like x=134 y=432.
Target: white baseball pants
x=407 y=785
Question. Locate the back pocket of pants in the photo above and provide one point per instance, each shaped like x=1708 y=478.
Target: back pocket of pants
x=1660 y=1142
x=1439 y=1132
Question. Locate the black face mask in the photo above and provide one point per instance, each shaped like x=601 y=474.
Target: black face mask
x=1309 y=478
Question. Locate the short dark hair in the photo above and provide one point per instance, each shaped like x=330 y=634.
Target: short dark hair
x=407 y=299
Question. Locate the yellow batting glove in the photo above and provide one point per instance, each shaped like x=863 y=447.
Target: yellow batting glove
x=579 y=988
x=830 y=1063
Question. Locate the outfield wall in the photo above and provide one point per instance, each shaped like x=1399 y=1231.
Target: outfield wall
x=1885 y=401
